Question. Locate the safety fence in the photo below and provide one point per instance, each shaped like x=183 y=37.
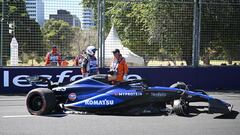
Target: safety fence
x=148 y=33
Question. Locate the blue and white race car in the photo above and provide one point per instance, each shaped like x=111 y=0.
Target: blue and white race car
x=95 y=94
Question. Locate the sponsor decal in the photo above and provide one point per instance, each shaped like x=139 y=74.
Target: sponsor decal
x=20 y=81
x=64 y=76
x=99 y=102
x=59 y=89
x=158 y=94
x=72 y=96
x=129 y=94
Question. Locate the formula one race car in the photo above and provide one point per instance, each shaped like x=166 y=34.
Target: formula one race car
x=95 y=94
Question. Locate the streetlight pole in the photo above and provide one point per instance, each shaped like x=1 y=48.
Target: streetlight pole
x=1 y=47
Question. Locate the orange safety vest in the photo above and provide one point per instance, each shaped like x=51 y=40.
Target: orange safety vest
x=53 y=59
x=121 y=68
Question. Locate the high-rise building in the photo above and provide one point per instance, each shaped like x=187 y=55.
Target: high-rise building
x=65 y=15
x=35 y=9
x=87 y=18
x=75 y=7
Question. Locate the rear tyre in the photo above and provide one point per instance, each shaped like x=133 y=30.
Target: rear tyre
x=180 y=107
x=40 y=101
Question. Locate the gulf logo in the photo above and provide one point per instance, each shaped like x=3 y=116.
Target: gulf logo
x=72 y=96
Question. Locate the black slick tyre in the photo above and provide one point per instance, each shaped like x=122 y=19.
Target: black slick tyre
x=180 y=107
x=40 y=101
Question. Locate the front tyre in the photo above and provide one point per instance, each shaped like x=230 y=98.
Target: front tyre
x=180 y=107
x=40 y=101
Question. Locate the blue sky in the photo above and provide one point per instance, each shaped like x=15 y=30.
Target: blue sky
x=51 y=7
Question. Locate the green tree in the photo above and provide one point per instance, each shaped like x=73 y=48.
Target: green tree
x=60 y=33
x=170 y=28
x=220 y=31
x=148 y=27
x=129 y=30
x=160 y=29
x=82 y=39
x=27 y=31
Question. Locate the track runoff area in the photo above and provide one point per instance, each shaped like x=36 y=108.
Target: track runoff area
x=15 y=120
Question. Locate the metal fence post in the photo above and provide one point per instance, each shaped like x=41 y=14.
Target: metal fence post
x=100 y=36
x=103 y=33
x=196 y=33
x=1 y=46
x=99 y=31
x=101 y=41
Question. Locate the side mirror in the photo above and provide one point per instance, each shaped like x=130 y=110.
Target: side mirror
x=38 y=79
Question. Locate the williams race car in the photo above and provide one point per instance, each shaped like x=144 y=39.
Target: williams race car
x=95 y=94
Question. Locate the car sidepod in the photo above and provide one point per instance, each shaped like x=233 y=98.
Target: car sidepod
x=109 y=100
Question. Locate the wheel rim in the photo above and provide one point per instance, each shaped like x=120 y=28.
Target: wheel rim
x=36 y=103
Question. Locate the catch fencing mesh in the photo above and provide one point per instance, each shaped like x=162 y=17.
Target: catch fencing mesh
x=148 y=33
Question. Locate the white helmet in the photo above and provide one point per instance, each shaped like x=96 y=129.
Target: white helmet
x=91 y=50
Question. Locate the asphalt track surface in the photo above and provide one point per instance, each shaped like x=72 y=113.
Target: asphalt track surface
x=15 y=120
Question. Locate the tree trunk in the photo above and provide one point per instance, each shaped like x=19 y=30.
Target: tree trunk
x=229 y=61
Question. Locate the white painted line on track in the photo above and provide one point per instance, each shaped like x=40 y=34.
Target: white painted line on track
x=17 y=116
x=26 y=116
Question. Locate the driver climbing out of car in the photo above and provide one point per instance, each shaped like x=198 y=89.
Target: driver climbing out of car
x=89 y=64
x=118 y=68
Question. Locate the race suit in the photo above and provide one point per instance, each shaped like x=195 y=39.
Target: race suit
x=89 y=66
